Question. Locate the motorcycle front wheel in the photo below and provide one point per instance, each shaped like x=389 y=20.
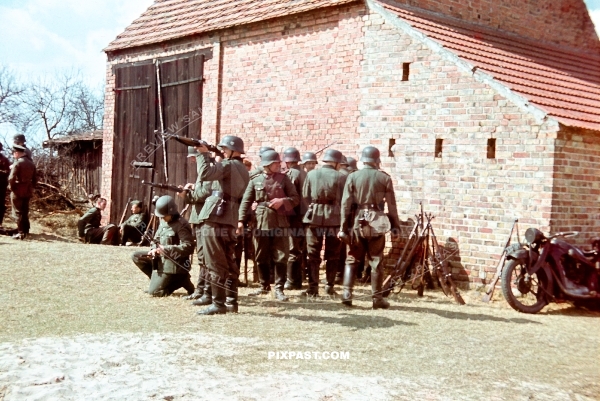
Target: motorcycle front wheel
x=524 y=293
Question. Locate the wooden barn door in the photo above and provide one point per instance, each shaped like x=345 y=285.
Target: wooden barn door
x=134 y=141
x=181 y=95
x=138 y=125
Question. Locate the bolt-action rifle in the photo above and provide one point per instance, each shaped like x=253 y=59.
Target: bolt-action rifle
x=164 y=186
x=195 y=142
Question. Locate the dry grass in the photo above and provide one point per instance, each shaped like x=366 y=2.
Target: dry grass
x=55 y=288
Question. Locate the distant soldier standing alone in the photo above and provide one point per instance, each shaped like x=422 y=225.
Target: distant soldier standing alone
x=4 y=172
x=21 y=181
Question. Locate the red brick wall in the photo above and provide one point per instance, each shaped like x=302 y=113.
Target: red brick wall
x=575 y=204
x=565 y=22
x=474 y=199
x=294 y=81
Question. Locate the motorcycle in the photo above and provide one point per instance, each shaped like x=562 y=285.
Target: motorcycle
x=549 y=269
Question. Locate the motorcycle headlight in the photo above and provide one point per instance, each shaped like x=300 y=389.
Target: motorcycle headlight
x=533 y=235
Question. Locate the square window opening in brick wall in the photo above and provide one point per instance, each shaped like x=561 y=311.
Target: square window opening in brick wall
x=391 y=144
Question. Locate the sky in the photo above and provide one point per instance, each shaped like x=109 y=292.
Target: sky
x=44 y=36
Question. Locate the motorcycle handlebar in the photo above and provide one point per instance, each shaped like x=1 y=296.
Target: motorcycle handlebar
x=564 y=234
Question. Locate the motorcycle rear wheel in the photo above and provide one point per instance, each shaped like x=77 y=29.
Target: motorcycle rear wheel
x=526 y=294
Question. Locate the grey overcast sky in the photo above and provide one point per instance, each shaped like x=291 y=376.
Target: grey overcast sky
x=42 y=36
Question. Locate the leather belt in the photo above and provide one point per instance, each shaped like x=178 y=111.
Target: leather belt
x=369 y=206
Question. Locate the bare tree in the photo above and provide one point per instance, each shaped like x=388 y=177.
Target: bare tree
x=9 y=95
x=60 y=106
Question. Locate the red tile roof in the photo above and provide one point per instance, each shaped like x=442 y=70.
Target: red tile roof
x=172 y=19
x=564 y=82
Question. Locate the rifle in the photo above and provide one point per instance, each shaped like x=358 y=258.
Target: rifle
x=487 y=297
x=164 y=186
x=124 y=212
x=195 y=142
x=328 y=146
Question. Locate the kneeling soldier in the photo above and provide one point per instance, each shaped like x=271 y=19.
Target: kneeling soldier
x=167 y=264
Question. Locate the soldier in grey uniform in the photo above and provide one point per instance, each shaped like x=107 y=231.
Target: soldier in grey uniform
x=351 y=164
x=132 y=229
x=195 y=195
x=4 y=172
x=366 y=190
x=276 y=197
x=89 y=230
x=291 y=157
x=323 y=191
x=219 y=216
x=309 y=161
x=167 y=264
x=19 y=139
x=259 y=170
x=21 y=181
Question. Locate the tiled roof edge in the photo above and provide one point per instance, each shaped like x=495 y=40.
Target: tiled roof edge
x=523 y=103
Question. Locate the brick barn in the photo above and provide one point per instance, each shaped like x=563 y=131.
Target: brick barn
x=484 y=110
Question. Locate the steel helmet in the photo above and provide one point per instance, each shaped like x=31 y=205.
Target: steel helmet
x=352 y=163
x=332 y=155
x=269 y=157
x=192 y=152
x=291 y=155
x=309 y=157
x=263 y=149
x=370 y=154
x=165 y=205
x=232 y=142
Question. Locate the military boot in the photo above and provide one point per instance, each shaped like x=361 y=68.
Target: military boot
x=279 y=295
x=349 y=277
x=231 y=296
x=313 y=279
x=199 y=288
x=379 y=302
x=218 y=302
x=206 y=298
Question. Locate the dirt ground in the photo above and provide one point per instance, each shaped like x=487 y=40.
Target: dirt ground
x=76 y=324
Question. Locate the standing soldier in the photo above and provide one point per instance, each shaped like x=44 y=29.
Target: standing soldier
x=167 y=264
x=195 y=195
x=219 y=217
x=351 y=164
x=291 y=157
x=259 y=170
x=276 y=197
x=4 y=172
x=309 y=161
x=133 y=228
x=20 y=140
x=323 y=191
x=21 y=182
x=364 y=223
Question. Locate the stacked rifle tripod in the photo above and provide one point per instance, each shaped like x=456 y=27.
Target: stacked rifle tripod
x=422 y=261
